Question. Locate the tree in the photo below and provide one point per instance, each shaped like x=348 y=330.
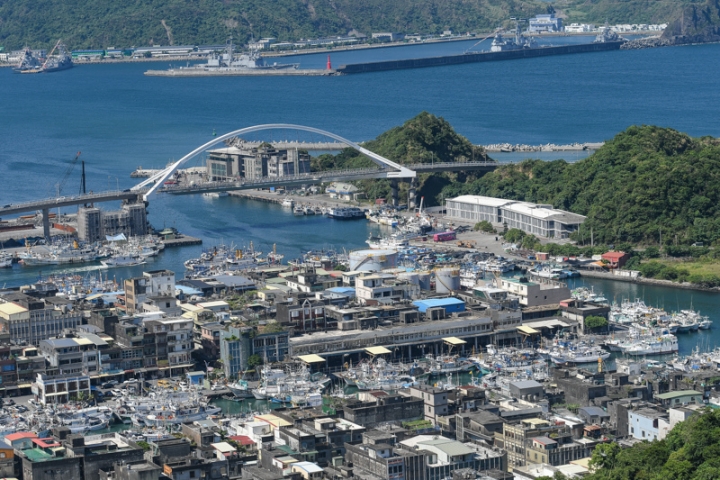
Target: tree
x=254 y=361
x=514 y=235
x=484 y=226
x=604 y=456
x=592 y=322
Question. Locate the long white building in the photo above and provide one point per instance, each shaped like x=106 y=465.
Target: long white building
x=540 y=220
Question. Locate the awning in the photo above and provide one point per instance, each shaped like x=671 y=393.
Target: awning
x=377 y=350
x=25 y=385
x=311 y=358
x=454 y=341
x=527 y=330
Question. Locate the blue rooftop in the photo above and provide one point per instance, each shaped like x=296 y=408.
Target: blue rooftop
x=342 y=290
x=450 y=304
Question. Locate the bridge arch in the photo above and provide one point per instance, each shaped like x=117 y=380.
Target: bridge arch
x=397 y=170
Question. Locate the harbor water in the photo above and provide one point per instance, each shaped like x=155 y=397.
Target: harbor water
x=120 y=119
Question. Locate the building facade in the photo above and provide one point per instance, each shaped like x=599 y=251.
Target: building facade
x=539 y=220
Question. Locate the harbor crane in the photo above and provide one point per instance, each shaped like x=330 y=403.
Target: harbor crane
x=69 y=170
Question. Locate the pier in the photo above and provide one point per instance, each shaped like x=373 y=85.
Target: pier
x=476 y=57
x=288 y=72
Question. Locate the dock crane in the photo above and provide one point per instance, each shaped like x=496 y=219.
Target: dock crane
x=67 y=173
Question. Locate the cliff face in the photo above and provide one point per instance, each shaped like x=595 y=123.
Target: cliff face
x=696 y=24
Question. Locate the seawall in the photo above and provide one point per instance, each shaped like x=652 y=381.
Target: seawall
x=647 y=281
x=287 y=72
x=477 y=57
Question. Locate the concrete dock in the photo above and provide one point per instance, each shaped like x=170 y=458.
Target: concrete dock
x=288 y=72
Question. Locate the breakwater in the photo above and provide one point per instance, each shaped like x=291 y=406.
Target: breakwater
x=477 y=57
x=548 y=147
x=237 y=72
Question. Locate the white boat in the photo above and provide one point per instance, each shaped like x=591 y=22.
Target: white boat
x=240 y=389
x=579 y=355
x=661 y=345
x=215 y=194
x=5 y=261
x=308 y=210
x=382 y=243
x=123 y=261
x=299 y=210
x=288 y=203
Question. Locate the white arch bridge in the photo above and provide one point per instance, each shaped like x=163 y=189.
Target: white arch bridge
x=142 y=191
x=387 y=168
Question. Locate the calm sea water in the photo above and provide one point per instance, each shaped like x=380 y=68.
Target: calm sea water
x=121 y=119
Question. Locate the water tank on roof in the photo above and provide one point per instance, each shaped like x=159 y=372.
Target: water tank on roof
x=447 y=280
x=373 y=260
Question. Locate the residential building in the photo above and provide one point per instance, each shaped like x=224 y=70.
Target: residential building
x=94 y=224
x=535 y=293
x=60 y=389
x=255 y=162
x=382 y=288
x=516 y=438
x=435 y=401
x=73 y=355
x=615 y=259
x=30 y=320
x=644 y=423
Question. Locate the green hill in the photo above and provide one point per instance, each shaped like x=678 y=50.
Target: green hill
x=644 y=183
x=691 y=451
x=101 y=24
x=422 y=139
x=625 y=11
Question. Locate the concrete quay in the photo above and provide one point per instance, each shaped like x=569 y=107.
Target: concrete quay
x=288 y=72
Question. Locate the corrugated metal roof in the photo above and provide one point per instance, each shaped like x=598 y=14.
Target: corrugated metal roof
x=311 y=358
x=10 y=308
x=377 y=350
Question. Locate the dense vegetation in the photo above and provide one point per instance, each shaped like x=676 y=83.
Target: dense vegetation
x=697 y=22
x=626 y=11
x=422 y=139
x=97 y=24
x=691 y=451
x=102 y=24
x=648 y=185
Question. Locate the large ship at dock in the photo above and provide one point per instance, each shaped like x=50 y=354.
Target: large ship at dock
x=229 y=63
x=53 y=63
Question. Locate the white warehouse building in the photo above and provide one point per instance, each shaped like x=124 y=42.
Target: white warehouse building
x=540 y=220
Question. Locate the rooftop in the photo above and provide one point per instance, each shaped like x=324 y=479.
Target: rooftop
x=677 y=394
x=10 y=308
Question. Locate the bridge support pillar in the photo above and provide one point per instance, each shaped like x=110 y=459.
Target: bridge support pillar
x=46 y=223
x=395 y=193
x=411 y=194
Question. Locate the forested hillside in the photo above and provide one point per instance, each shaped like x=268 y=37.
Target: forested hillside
x=626 y=11
x=422 y=139
x=691 y=451
x=101 y=24
x=645 y=183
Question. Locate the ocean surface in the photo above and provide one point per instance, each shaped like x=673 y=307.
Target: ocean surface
x=120 y=119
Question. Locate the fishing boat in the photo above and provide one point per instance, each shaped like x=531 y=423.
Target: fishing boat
x=579 y=355
x=123 y=261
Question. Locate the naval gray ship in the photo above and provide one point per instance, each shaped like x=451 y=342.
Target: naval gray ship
x=53 y=63
x=228 y=63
